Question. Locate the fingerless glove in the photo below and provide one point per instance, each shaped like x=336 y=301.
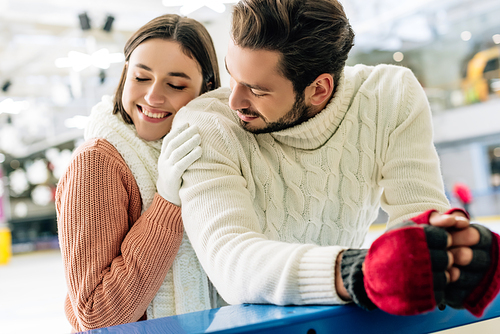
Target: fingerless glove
x=402 y=273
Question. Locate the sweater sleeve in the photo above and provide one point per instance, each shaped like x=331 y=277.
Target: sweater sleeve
x=114 y=258
x=411 y=175
x=241 y=261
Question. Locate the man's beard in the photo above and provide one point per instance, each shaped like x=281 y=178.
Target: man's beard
x=295 y=116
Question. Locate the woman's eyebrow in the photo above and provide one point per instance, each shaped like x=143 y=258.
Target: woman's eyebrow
x=144 y=67
x=172 y=74
x=179 y=74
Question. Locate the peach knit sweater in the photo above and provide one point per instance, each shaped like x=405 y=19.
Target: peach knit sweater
x=115 y=259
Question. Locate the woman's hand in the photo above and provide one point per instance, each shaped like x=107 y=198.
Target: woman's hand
x=180 y=148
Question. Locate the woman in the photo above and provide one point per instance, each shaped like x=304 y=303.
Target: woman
x=118 y=236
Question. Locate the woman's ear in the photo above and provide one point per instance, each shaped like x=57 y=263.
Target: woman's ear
x=320 y=91
x=206 y=87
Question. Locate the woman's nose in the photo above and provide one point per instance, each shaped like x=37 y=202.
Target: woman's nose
x=156 y=94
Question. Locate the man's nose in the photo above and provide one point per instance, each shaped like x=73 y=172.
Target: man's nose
x=239 y=97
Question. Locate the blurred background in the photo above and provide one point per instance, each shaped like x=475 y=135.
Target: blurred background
x=58 y=57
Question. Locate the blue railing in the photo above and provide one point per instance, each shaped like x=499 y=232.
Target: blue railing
x=302 y=319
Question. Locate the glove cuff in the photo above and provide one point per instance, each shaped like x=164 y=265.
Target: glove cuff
x=423 y=218
x=351 y=269
x=458 y=210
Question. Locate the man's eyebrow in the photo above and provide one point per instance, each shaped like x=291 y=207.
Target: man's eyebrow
x=256 y=87
x=172 y=74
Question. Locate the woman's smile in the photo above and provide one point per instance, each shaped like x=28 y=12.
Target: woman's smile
x=152 y=115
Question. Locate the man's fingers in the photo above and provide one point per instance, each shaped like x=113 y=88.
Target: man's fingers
x=448 y=277
x=454 y=274
x=451 y=259
x=461 y=222
x=456 y=220
x=462 y=256
x=466 y=237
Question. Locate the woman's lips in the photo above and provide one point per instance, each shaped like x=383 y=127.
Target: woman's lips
x=246 y=118
x=153 y=116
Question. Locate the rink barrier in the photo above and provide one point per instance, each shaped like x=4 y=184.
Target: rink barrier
x=250 y=318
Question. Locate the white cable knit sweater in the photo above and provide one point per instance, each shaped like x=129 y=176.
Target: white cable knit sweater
x=268 y=214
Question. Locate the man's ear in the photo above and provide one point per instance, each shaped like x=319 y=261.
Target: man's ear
x=320 y=91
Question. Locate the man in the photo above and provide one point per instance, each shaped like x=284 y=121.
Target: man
x=298 y=157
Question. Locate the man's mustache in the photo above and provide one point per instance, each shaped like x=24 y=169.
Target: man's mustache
x=247 y=112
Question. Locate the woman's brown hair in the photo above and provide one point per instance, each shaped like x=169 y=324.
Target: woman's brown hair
x=195 y=41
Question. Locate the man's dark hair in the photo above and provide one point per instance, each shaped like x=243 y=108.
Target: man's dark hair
x=312 y=36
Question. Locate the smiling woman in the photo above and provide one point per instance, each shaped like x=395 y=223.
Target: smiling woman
x=119 y=237
x=161 y=79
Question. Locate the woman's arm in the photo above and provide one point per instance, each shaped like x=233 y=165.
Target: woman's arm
x=115 y=259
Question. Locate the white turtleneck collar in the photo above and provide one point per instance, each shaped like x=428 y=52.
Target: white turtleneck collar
x=316 y=131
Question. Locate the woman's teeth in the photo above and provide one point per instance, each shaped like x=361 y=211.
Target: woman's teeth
x=154 y=115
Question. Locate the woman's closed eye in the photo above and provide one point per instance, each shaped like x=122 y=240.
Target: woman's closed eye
x=177 y=87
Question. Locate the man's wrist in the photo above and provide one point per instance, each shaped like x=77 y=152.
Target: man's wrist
x=339 y=283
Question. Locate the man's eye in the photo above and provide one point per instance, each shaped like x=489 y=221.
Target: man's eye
x=255 y=94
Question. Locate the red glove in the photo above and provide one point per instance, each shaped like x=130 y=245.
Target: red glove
x=403 y=271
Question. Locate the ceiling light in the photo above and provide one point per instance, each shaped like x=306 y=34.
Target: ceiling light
x=191 y=7
x=37 y=172
x=466 y=35
x=78 y=122
x=398 y=56
x=9 y=106
x=84 y=21
x=6 y=85
x=21 y=210
x=108 y=24
x=187 y=7
x=42 y=195
x=80 y=61
x=18 y=181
